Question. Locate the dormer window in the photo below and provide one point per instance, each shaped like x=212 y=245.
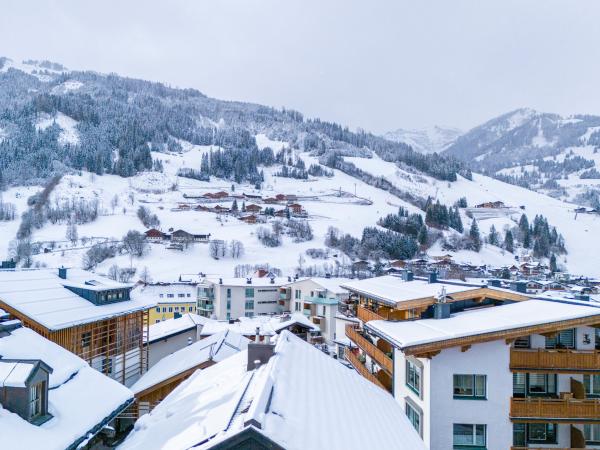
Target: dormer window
x=36 y=400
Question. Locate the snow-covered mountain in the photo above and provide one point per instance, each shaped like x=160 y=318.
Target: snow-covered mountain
x=425 y=140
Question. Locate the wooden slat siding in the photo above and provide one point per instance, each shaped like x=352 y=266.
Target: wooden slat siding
x=567 y=361
x=550 y=409
x=496 y=335
x=366 y=315
x=361 y=369
x=120 y=337
x=380 y=358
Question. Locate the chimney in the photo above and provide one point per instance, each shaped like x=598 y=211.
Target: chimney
x=432 y=276
x=289 y=279
x=220 y=280
x=408 y=276
x=272 y=280
x=441 y=309
x=259 y=354
x=519 y=286
x=494 y=283
x=248 y=280
x=62 y=272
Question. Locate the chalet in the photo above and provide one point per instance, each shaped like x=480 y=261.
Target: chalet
x=495 y=205
x=52 y=399
x=169 y=372
x=183 y=237
x=154 y=235
x=281 y=213
x=221 y=209
x=202 y=208
x=95 y=318
x=184 y=206
x=280 y=197
x=264 y=273
x=296 y=209
x=271 y=200
x=533 y=269
x=266 y=397
x=398 y=264
x=253 y=208
x=216 y=195
x=251 y=219
x=291 y=197
x=252 y=196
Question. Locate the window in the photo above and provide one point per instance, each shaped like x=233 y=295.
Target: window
x=181 y=295
x=107 y=365
x=597 y=338
x=188 y=295
x=414 y=416
x=86 y=339
x=191 y=308
x=541 y=433
x=170 y=295
x=248 y=314
x=470 y=386
x=324 y=310
x=541 y=383
x=249 y=304
x=591 y=432
x=177 y=308
x=228 y=292
x=413 y=376
x=564 y=339
x=161 y=295
x=36 y=393
x=228 y=316
x=228 y=304
x=164 y=309
x=592 y=385
x=158 y=309
x=249 y=292
x=157 y=321
x=170 y=309
x=468 y=435
x=297 y=294
x=523 y=342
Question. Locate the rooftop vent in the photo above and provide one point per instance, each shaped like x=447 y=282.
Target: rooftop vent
x=272 y=280
x=519 y=286
x=248 y=280
x=408 y=276
x=494 y=283
x=220 y=280
x=432 y=276
x=441 y=308
x=289 y=279
x=62 y=273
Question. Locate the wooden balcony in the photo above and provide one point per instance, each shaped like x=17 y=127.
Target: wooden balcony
x=384 y=361
x=566 y=361
x=564 y=410
x=362 y=370
x=366 y=315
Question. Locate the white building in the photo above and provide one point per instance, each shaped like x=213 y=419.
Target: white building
x=319 y=299
x=231 y=298
x=518 y=375
x=289 y=396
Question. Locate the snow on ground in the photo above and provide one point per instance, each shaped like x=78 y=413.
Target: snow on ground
x=68 y=134
x=67 y=86
x=580 y=235
x=263 y=141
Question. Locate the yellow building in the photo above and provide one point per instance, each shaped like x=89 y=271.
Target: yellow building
x=172 y=299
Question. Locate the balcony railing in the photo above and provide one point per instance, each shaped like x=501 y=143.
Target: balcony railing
x=370 y=349
x=569 y=361
x=361 y=369
x=366 y=315
x=321 y=300
x=564 y=410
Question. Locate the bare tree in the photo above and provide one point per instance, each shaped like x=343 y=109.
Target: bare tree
x=145 y=275
x=113 y=272
x=71 y=233
x=114 y=202
x=236 y=249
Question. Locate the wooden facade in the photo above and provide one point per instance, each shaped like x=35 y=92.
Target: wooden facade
x=555 y=361
x=113 y=346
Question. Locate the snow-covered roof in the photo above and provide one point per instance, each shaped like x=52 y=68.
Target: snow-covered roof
x=42 y=296
x=391 y=289
x=268 y=325
x=76 y=408
x=280 y=400
x=214 y=348
x=479 y=321
x=170 y=327
x=243 y=282
x=15 y=373
x=333 y=285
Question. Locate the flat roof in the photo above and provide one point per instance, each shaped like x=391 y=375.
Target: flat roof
x=42 y=296
x=170 y=327
x=256 y=281
x=268 y=325
x=392 y=289
x=480 y=321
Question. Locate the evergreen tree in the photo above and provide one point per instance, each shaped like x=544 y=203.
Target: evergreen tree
x=422 y=236
x=234 y=206
x=475 y=236
x=553 y=265
x=493 y=237
x=509 y=243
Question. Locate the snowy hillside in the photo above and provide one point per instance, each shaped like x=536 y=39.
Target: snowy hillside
x=425 y=140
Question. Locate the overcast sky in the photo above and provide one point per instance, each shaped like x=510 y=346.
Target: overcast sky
x=379 y=65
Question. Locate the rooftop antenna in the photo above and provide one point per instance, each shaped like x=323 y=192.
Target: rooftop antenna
x=442 y=295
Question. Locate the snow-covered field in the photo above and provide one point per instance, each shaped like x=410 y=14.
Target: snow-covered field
x=329 y=202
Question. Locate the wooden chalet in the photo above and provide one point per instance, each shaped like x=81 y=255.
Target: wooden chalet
x=296 y=209
x=97 y=319
x=154 y=235
x=280 y=197
x=271 y=200
x=251 y=219
x=221 y=209
x=216 y=195
x=253 y=208
x=494 y=205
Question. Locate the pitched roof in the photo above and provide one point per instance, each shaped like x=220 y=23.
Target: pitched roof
x=214 y=348
x=281 y=401
x=170 y=327
x=76 y=409
x=42 y=296
x=268 y=325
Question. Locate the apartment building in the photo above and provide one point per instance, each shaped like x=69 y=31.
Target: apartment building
x=231 y=298
x=517 y=375
x=319 y=299
x=173 y=300
x=395 y=298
